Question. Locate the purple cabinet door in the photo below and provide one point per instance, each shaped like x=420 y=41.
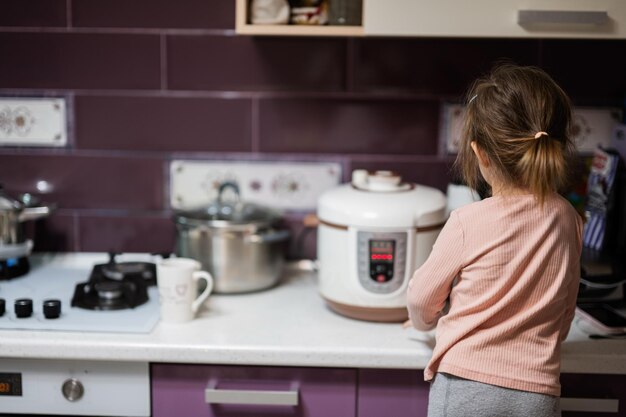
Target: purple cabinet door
x=586 y=395
x=397 y=393
x=228 y=391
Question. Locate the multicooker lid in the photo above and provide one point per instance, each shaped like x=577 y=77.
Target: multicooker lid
x=381 y=199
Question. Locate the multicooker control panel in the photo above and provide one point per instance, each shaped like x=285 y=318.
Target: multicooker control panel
x=381 y=260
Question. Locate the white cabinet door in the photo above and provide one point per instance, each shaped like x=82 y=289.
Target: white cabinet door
x=496 y=18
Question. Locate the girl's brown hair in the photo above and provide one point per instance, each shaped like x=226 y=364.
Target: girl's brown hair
x=505 y=115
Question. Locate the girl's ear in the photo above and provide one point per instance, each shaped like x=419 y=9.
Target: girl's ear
x=482 y=158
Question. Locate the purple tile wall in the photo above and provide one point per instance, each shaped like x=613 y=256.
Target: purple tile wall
x=79 y=60
x=205 y=14
x=27 y=13
x=249 y=63
x=151 y=80
x=435 y=66
x=593 y=70
x=349 y=126
x=131 y=233
x=163 y=123
x=87 y=182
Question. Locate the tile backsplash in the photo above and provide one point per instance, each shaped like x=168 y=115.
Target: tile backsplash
x=33 y=122
x=149 y=83
x=591 y=127
x=282 y=185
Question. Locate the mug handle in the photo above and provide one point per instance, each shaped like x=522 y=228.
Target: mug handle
x=198 y=275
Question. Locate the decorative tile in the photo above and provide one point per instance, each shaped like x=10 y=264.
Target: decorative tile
x=33 y=122
x=86 y=182
x=295 y=186
x=349 y=126
x=79 y=60
x=248 y=63
x=163 y=124
x=592 y=127
x=452 y=126
x=214 y=14
x=34 y=13
x=133 y=233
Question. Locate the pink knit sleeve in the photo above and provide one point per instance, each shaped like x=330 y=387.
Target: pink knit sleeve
x=431 y=283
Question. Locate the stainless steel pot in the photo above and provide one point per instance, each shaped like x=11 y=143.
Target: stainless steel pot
x=236 y=242
x=13 y=214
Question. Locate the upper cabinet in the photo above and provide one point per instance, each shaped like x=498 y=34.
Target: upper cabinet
x=602 y=19
x=496 y=18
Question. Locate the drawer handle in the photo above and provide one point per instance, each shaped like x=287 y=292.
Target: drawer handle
x=250 y=397
x=594 y=18
x=596 y=405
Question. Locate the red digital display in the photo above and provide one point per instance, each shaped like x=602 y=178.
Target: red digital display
x=382 y=250
x=11 y=384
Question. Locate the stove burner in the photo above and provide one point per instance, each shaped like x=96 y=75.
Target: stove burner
x=103 y=293
x=120 y=270
x=108 y=290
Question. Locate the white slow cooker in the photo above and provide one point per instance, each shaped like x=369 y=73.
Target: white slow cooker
x=373 y=233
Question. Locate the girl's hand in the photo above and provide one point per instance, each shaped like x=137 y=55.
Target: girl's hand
x=407 y=324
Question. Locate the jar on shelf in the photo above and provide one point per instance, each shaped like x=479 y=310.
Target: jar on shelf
x=309 y=12
x=345 y=12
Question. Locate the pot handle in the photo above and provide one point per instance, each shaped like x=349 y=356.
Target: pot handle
x=228 y=184
x=34 y=213
x=271 y=237
x=311 y=221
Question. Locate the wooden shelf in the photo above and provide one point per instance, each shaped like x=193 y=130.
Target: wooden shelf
x=242 y=27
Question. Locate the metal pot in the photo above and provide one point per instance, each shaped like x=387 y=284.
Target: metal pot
x=13 y=214
x=236 y=242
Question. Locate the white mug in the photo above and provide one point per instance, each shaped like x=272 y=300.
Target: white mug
x=177 y=280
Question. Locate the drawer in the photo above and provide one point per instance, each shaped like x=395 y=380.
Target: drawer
x=586 y=395
x=388 y=392
x=206 y=390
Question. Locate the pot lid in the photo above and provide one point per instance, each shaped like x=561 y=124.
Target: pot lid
x=225 y=213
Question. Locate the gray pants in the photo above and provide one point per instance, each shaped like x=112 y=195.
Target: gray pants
x=451 y=396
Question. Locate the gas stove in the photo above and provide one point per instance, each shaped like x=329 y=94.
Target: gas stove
x=87 y=292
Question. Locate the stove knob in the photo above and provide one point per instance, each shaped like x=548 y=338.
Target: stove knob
x=52 y=309
x=23 y=307
x=72 y=389
x=2 y=307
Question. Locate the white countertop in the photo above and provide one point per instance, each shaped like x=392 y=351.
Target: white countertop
x=288 y=325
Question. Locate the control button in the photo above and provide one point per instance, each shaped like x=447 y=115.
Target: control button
x=2 y=307
x=73 y=389
x=381 y=278
x=52 y=309
x=23 y=307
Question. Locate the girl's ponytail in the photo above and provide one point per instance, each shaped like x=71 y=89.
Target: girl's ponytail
x=544 y=166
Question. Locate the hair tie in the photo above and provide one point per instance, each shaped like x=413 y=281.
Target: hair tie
x=540 y=134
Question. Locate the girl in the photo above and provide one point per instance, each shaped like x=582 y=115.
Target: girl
x=508 y=265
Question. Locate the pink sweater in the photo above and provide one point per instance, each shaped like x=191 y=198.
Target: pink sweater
x=516 y=266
